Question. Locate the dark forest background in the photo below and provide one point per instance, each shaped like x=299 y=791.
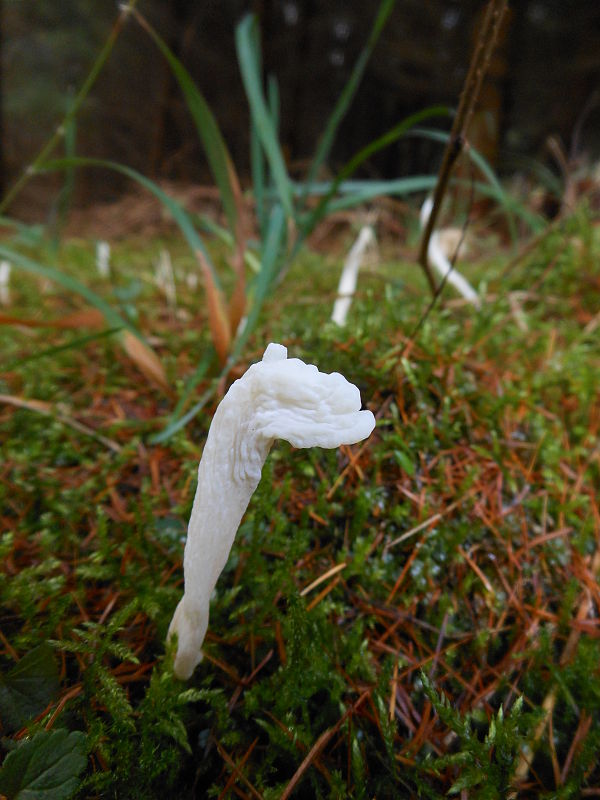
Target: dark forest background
x=543 y=82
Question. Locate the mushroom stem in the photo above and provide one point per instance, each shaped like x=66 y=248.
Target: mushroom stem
x=349 y=276
x=439 y=260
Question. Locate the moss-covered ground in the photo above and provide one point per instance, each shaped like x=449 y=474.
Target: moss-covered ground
x=406 y=617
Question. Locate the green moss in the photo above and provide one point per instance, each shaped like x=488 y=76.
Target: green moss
x=483 y=455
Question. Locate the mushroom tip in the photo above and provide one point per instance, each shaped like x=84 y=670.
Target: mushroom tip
x=190 y=630
x=275 y=352
x=368 y=421
x=361 y=427
x=184 y=666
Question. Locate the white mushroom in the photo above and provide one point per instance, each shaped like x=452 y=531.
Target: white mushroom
x=278 y=398
x=5 y=270
x=349 y=276
x=103 y=259
x=164 y=278
x=438 y=258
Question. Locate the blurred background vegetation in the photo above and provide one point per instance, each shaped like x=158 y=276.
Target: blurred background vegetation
x=541 y=89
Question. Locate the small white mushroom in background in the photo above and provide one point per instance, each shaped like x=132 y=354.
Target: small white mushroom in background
x=103 y=259
x=191 y=280
x=5 y=269
x=440 y=246
x=277 y=398
x=164 y=278
x=349 y=276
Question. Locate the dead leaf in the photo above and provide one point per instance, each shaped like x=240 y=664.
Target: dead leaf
x=237 y=304
x=86 y=318
x=145 y=359
x=217 y=317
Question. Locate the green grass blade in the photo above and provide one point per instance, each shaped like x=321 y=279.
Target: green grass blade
x=372 y=189
x=205 y=223
x=270 y=258
x=74 y=344
x=257 y=166
x=511 y=206
x=275 y=236
x=114 y=319
x=29 y=235
x=205 y=363
x=248 y=50
x=271 y=251
x=354 y=193
x=502 y=197
x=347 y=95
x=274 y=104
x=397 y=132
x=125 y=9
x=219 y=159
x=178 y=424
x=65 y=196
x=517 y=162
x=176 y=420
x=208 y=225
x=175 y=209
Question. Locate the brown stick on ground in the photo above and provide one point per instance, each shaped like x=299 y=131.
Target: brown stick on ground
x=488 y=35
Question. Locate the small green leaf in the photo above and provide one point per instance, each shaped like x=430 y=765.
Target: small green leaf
x=28 y=687
x=74 y=344
x=46 y=767
x=471 y=777
x=405 y=462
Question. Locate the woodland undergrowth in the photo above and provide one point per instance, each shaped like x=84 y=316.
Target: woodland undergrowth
x=413 y=616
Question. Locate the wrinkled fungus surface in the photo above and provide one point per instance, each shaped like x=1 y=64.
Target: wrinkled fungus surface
x=277 y=398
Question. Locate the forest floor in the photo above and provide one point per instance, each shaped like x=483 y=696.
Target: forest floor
x=409 y=616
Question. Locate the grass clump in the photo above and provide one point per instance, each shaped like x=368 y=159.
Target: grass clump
x=413 y=616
